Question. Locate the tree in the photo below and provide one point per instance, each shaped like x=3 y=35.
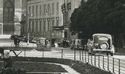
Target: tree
x=94 y=16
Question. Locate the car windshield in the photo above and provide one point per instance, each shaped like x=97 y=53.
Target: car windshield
x=100 y=39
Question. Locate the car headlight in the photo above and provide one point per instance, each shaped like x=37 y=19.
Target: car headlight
x=103 y=46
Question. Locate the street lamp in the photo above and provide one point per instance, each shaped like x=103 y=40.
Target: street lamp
x=27 y=13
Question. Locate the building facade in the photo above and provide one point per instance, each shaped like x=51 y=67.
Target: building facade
x=43 y=16
x=17 y=17
x=67 y=10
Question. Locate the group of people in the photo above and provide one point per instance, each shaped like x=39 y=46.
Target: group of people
x=64 y=43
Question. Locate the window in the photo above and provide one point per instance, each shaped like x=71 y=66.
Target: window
x=44 y=9
x=29 y=12
x=52 y=8
x=33 y=25
x=57 y=21
x=49 y=9
x=33 y=10
x=44 y=25
x=36 y=10
x=48 y=24
x=38 y=25
x=53 y=22
x=40 y=10
x=57 y=6
x=36 y=29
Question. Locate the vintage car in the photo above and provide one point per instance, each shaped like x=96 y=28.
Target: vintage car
x=101 y=43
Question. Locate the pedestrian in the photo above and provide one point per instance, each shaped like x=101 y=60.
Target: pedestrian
x=6 y=58
x=64 y=43
x=2 y=52
x=16 y=40
x=48 y=44
x=56 y=45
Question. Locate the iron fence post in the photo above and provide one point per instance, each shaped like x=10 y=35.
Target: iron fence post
x=119 y=66
x=103 y=62
x=113 y=65
x=91 y=60
x=95 y=60
x=85 y=56
x=74 y=54
x=88 y=58
x=82 y=55
x=108 y=63
x=99 y=61
x=62 y=53
x=79 y=54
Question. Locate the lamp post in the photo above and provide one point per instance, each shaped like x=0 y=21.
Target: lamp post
x=27 y=13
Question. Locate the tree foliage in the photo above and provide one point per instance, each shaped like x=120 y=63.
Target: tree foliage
x=94 y=16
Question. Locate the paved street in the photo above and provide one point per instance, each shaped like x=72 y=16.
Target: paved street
x=110 y=63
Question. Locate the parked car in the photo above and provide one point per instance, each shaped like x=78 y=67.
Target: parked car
x=101 y=43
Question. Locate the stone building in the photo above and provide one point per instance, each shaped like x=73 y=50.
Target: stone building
x=67 y=10
x=43 y=16
x=17 y=17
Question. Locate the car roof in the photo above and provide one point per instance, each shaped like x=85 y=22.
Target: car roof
x=102 y=34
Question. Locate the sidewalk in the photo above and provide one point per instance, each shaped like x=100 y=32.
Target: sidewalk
x=69 y=69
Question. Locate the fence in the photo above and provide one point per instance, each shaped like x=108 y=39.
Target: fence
x=108 y=63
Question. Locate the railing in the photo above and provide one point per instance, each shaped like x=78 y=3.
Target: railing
x=107 y=63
